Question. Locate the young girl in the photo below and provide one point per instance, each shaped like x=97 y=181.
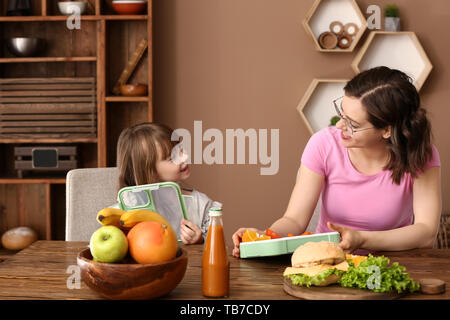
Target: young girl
x=144 y=156
x=377 y=171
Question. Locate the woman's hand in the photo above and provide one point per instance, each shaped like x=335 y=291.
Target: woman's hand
x=351 y=239
x=237 y=238
x=190 y=232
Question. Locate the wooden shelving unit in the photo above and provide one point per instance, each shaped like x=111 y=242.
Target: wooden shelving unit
x=127 y=99
x=316 y=106
x=323 y=12
x=100 y=49
x=382 y=48
x=64 y=18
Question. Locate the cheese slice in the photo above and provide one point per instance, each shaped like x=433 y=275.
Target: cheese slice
x=343 y=266
x=315 y=270
x=309 y=271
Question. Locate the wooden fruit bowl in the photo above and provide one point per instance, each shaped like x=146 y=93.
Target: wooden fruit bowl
x=132 y=280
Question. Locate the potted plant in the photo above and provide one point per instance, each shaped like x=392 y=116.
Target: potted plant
x=391 y=18
x=334 y=120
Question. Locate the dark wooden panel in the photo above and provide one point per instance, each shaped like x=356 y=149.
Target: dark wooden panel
x=121 y=115
x=61 y=137
x=45 y=99
x=123 y=37
x=44 y=130
x=50 y=116
x=54 y=96
x=58 y=210
x=66 y=108
x=62 y=165
x=58 y=80
x=73 y=86
x=23 y=204
x=50 y=123
x=44 y=93
x=62 y=150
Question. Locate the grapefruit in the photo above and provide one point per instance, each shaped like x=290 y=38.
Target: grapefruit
x=152 y=242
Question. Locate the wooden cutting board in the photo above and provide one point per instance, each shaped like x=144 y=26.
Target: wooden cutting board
x=336 y=292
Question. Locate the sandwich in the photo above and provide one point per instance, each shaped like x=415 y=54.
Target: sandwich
x=317 y=263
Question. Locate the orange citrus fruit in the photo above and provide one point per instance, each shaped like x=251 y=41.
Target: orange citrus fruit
x=355 y=259
x=254 y=236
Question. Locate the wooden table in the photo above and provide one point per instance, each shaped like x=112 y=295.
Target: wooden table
x=40 y=272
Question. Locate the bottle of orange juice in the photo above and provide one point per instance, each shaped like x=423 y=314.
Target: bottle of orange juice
x=215 y=264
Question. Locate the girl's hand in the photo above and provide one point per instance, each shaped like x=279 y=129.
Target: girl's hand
x=237 y=238
x=351 y=239
x=190 y=232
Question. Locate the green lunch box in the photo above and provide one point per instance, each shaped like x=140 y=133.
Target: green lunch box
x=164 y=198
x=275 y=247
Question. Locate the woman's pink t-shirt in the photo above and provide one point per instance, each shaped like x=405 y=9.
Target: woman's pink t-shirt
x=356 y=200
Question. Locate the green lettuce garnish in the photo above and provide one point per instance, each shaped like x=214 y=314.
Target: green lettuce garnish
x=301 y=279
x=374 y=273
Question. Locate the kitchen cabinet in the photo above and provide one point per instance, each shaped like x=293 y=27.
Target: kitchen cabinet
x=100 y=49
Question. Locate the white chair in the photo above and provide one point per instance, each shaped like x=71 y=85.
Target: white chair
x=87 y=192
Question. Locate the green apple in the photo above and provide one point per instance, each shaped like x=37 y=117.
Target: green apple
x=108 y=244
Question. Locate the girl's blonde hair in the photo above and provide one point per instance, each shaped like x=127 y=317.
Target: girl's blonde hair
x=137 y=152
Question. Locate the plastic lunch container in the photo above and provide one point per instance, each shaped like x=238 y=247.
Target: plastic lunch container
x=165 y=198
x=275 y=247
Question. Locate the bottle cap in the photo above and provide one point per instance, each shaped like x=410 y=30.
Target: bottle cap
x=215 y=211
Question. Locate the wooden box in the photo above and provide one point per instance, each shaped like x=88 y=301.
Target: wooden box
x=48 y=108
x=41 y=158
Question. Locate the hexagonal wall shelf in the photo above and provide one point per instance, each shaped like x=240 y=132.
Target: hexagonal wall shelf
x=316 y=107
x=397 y=50
x=324 y=12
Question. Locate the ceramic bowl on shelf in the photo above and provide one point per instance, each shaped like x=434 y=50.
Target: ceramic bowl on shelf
x=129 y=6
x=66 y=7
x=131 y=280
x=133 y=90
x=25 y=47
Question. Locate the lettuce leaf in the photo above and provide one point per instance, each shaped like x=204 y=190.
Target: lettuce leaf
x=301 y=279
x=375 y=274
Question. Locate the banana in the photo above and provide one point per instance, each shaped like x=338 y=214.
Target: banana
x=110 y=216
x=131 y=218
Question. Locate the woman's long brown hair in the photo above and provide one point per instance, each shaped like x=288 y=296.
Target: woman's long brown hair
x=391 y=99
x=137 y=152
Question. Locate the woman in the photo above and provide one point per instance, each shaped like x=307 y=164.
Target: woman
x=377 y=170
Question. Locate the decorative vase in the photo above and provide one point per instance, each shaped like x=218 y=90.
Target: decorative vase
x=392 y=24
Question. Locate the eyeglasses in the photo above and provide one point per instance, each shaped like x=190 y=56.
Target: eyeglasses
x=338 y=106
